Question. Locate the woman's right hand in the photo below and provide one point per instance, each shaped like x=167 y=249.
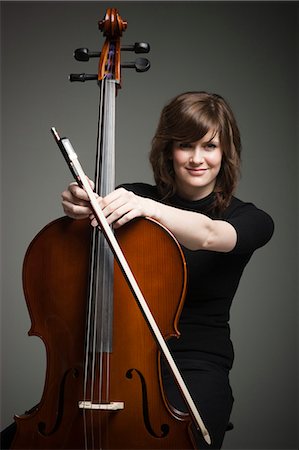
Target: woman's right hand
x=75 y=201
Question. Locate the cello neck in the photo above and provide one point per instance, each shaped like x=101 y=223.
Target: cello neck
x=105 y=155
x=100 y=316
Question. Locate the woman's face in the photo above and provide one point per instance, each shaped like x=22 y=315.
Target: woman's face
x=196 y=166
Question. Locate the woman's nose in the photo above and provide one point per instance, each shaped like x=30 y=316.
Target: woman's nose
x=197 y=156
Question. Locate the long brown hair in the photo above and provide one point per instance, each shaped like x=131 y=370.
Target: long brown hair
x=187 y=118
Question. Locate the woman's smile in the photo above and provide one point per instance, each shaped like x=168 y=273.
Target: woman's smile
x=196 y=171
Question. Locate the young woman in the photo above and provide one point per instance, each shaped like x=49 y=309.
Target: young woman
x=195 y=158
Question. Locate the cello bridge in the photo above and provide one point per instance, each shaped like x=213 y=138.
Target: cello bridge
x=112 y=406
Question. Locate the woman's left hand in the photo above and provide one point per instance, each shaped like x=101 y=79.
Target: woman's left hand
x=121 y=206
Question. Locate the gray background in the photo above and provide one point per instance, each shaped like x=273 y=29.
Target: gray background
x=244 y=51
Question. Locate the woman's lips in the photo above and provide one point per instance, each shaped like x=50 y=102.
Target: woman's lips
x=196 y=171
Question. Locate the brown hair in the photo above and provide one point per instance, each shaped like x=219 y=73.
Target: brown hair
x=187 y=118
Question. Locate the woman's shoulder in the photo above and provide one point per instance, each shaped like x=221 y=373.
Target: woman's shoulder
x=238 y=207
x=142 y=189
x=251 y=222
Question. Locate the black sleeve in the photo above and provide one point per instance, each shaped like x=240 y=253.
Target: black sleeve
x=254 y=228
x=142 y=189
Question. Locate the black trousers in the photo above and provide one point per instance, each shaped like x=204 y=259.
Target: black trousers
x=210 y=389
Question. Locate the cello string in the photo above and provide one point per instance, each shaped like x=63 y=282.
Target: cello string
x=90 y=328
x=107 y=260
x=103 y=291
x=89 y=360
x=97 y=338
x=98 y=350
x=100 y=301
x=107 y=185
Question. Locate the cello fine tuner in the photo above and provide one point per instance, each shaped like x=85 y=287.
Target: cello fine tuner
x=83 y=54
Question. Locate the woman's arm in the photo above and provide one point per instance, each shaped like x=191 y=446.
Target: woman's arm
x=193 y=230
x=197 y=231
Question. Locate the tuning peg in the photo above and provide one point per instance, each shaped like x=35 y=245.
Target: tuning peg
x=83 y=54
x=138 y=47
x=140 y=65
x=82 y=77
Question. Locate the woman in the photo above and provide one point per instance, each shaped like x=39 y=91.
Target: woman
x=195 y=158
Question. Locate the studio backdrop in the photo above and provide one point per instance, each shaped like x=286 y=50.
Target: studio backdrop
x=245 y=51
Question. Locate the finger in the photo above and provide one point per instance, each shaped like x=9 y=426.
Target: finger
x=68 y=197
x=113 y=206
x=78 y=192
x=75 y=211
x=116 y=200
x=94 y=222
x=91 y=182
x=130 y=215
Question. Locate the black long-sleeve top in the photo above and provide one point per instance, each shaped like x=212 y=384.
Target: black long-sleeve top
x=213 y=278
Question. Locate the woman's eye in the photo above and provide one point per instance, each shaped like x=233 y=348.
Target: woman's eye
x=210 y=146
x=185 y=145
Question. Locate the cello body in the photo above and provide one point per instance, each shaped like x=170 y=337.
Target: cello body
x=55 y=278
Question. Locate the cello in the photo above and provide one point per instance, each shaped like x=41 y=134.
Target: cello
x=85 y=291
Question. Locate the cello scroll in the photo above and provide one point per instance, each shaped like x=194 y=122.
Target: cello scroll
x=110 y=64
